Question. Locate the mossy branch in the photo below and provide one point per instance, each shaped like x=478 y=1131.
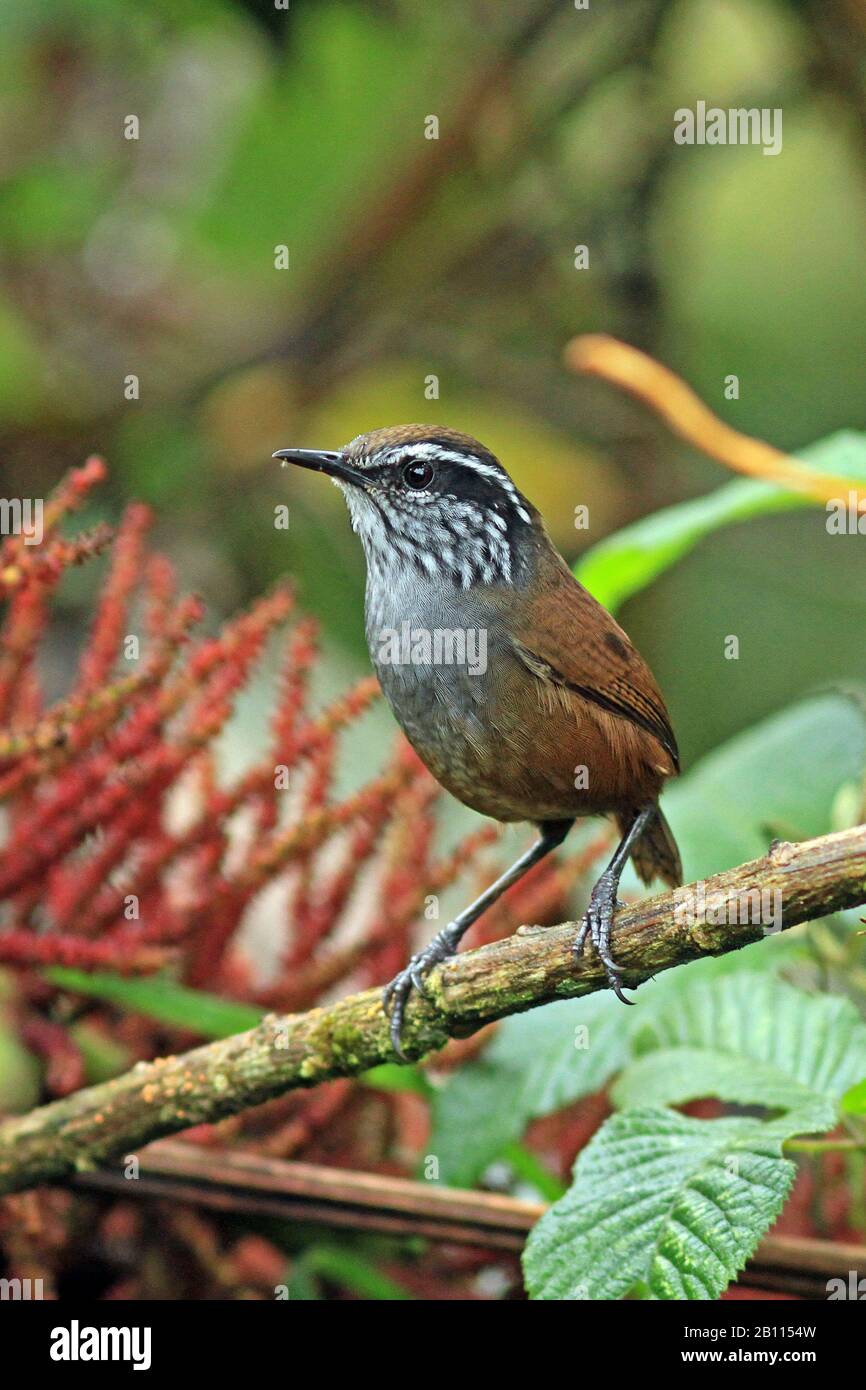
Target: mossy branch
x=531 y=968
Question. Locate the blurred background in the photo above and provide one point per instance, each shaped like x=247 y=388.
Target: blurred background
x=227 y=228
x=411 y=259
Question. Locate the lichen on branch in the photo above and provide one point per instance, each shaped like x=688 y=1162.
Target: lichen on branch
x=531 y=968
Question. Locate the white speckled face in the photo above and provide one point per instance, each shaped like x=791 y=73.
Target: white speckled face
x=445 y=507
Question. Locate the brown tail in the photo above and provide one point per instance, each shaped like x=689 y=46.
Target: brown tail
x=655 y=854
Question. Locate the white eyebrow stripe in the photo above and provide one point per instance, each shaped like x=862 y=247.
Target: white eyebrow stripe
x=435 y=451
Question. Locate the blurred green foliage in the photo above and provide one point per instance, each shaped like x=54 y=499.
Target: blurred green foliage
x=454 y=258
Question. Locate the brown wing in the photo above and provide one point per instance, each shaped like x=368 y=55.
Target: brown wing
x=566 y=637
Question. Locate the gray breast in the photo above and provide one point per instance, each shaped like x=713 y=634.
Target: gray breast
x=437 y=652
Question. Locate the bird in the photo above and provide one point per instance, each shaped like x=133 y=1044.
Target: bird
x=533 y=705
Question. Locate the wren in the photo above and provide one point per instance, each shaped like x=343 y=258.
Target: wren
x=561 y=719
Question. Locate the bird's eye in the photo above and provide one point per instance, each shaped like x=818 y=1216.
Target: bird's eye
x=418 y=475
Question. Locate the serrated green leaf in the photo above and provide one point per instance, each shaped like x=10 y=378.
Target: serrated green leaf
x=748 y=1039
x=537 y=1063
x=674 y=1075
x=677 y=1203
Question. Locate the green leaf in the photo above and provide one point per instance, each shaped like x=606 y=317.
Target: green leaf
x=537 y=1063
x=673 y=1076
x=531 y=1170
x=391 y=1077
x=350 y=1270
x=676 y=1203
x=625 y=563
x=778 y=779
x=751 y=1040
x=20 y=1073
x=162 y=999
x=628 y=561
x=103 y=1057
x=854 y=1100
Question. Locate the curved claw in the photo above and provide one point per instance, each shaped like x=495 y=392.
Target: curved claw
x=614 y=980
x=597 y=922
x=396 y=994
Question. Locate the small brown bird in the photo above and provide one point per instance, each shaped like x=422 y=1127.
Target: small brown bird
x=517 y=689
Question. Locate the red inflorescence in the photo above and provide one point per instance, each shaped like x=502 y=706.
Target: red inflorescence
x=124 y=850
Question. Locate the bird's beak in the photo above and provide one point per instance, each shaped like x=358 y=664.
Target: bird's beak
x=322 y=461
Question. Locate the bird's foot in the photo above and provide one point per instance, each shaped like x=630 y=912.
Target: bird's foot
x=597 y=924
x=396 y=994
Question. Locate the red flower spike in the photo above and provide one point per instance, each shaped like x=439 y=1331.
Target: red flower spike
x=46 y=566
x=24 y=626
x=123 y=955
x=316 y=791
x=93 y=787
x=112 y=615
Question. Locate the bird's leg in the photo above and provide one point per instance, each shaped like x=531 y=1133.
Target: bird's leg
x=445 y=942
x=599 y=916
